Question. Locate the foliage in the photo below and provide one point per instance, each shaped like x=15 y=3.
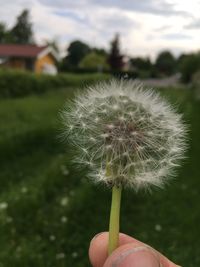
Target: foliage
x=99 y=51
x=22 y=33
x=189 y=64
x=49 y=211
x=11 y=82
x=141 y=64
x=3 y=33
x=115 y=59
x=165 y=63
x=196 y=85
x=76 y=51
x=95 y=61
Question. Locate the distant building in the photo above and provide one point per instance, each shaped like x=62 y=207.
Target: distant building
x=38 y=59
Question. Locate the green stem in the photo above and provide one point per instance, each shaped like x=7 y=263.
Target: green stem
x=114 y=219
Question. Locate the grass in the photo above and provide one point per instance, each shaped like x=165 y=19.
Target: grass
x=48 y=209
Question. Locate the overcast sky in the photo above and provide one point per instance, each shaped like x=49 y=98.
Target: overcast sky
x=145 y=26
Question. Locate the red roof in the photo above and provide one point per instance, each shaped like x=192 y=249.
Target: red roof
x=17 y=50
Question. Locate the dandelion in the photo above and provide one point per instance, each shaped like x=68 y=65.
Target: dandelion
x=64 y=201
x=158 y=227
x=3 y=205
x=64 y=170
x=74 y=254
x=9 y=219
x=52 y=238
x=63 y=219
x=131 y=138
x=24 y=190
x=60 y=256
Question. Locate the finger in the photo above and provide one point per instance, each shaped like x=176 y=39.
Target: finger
x=99 y=244
x=137 y=255
x=99 y=247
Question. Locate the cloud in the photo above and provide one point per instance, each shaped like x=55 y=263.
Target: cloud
x=156 y=7
x=163 y=28
x=195 y=24
x=145 y=26
x=176 y=36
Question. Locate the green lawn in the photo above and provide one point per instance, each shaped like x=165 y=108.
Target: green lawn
x=48 y=209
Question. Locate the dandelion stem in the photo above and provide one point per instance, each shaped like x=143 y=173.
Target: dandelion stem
x=114 y=219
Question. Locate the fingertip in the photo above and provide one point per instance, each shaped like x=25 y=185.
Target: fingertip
x=99 y=246
x=97 y=249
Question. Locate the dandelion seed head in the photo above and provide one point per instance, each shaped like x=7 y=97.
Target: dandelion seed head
x=132 y=137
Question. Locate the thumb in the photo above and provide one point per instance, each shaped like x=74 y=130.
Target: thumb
x=134 y=255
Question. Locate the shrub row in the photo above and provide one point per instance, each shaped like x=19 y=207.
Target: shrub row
x=18 y=83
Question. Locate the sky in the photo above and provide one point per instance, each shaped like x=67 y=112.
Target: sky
x=146 y=27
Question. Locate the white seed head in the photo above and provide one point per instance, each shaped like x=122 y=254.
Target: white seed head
x=131 y=136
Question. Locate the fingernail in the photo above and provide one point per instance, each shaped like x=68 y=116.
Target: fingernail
x=139 y=256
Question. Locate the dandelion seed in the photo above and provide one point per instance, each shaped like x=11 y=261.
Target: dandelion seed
x=85 y=150
x=9 y=219
x=64 y=201
x=74 y=255
x=110 y=126
x=71 y=193
x=52 y=238
x=108 y=147
x=64 y=170
x=60 y=256
x=63 y=219
x=24 y=190
x=71 y=127
x=121 y=118
x=105 y=135
x=158 y=227
x=18 y=249
x=3 y=205
x=115 y=107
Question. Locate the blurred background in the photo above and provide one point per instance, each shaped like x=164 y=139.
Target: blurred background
x=50 y=50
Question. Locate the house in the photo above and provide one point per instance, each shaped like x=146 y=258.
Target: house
x=38 y=59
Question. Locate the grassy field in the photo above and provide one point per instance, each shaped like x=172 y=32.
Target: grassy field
x=48 y=209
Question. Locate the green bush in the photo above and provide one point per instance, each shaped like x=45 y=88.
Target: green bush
x=189 y=65
x=196 y=85
x=19 y=83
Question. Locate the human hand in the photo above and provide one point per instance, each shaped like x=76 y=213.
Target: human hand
x=130 y=253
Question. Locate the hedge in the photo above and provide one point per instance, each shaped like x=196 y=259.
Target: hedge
x=19 y=83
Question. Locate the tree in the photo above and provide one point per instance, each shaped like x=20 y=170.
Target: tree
x=94 y=61
x=141 y=63
x=2 y=33
x=189 y=65
x=165 y=63
x=77 y=50
x=5 y=36
x=100 y=51
x=115 y=59
x=22 y=31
